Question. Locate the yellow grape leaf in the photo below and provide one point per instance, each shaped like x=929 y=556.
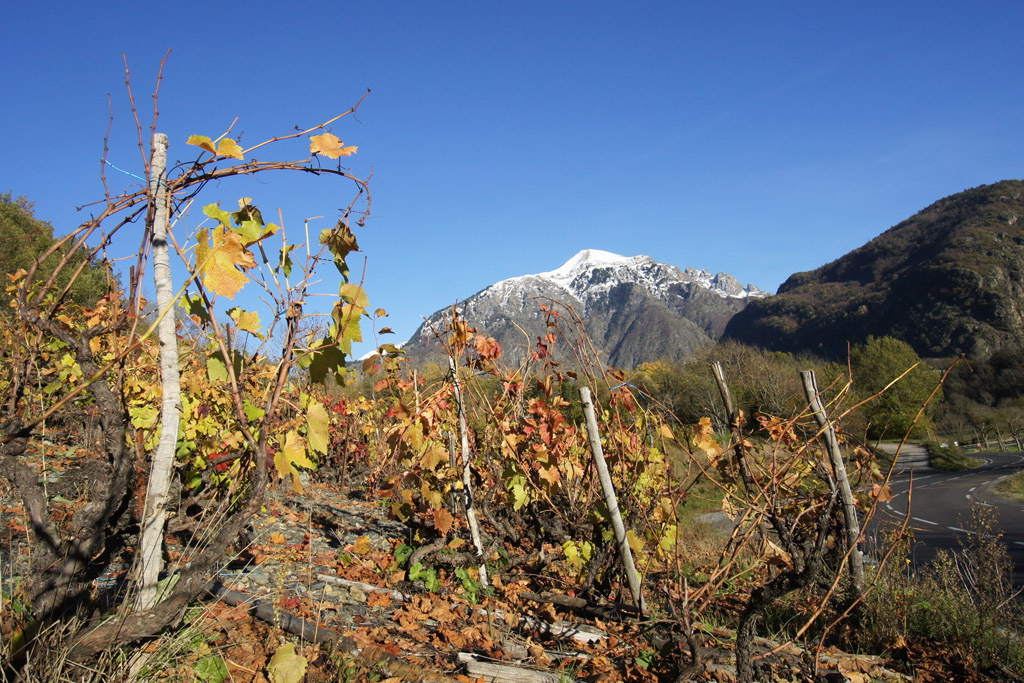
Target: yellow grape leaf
x=572 y=555
x=380 y=313
x=362 y=545
x=245 y=320
x=229 y=148
x=286 y=666
x=666 y=431
x=668 y=538
x=520 y=497
x=433 y=456
x=276 y=538
x=219 y=264
x=143 y=417
x=636 y=544
x=202 y=142
x=316 y=426
x=353 y=294
x=329 y=146
x=294 y=450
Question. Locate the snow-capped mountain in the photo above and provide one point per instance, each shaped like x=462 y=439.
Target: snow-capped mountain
x=634 y=308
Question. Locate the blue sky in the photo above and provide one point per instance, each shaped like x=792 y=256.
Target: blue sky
x=758 y=139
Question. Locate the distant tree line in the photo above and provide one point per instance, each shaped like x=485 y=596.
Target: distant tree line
x=768 y=383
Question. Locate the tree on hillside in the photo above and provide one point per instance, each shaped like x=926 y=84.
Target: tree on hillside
x=883 y=361
x=766 y=382
x=26 y=239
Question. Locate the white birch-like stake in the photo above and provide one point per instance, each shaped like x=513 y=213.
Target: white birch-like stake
x=467 y=482
x=835 y=456
x=154 y=516
x=610 y=499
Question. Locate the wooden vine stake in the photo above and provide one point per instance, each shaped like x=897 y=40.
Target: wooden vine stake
x=467 y=482
x=154 y=517
x=611 y=500
x=835 y=456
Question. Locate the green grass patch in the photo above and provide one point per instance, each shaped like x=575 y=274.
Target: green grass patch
x=703 y=497
x=949 y=458
x=1012 y=488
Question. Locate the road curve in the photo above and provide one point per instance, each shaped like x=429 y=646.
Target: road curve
x=940 y=504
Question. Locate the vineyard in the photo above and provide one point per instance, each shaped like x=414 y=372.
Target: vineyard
x=161 y=462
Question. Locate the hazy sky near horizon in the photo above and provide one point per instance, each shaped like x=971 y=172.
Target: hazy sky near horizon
x=753 y=138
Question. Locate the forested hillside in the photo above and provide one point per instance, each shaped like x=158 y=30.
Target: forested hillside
x=948 y=280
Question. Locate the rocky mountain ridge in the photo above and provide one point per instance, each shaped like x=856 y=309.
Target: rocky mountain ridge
x=634 y=308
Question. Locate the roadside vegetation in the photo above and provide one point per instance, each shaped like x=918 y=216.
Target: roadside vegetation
x=1012 y=488
x=949 y=457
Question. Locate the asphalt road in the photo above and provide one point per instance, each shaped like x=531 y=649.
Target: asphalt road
x=940 y=504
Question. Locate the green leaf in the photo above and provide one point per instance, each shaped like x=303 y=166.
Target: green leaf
x=249 y=231
x=340 y=242
x=346 y=325
x=143 y=417
x=214 y=211
x=194 y=305
x=402 y=553
x=247 y=211
x=285 y=262
x=210 y=669
x=216 y=368
x=328 y=359
x=246 y=321
x=353 y=294
x=286 y=666
x=252 y=413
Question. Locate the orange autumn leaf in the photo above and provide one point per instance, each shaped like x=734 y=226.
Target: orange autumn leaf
x=378 y=599
x=330 y=146
x=443 y=521
x=882 y=493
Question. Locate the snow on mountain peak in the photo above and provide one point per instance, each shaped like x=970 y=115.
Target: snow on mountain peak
x=587 y=259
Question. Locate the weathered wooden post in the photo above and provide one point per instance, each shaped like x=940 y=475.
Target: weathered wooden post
x=467 y=482
x=611 y=500
x=835 y=456
x=155 y=514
